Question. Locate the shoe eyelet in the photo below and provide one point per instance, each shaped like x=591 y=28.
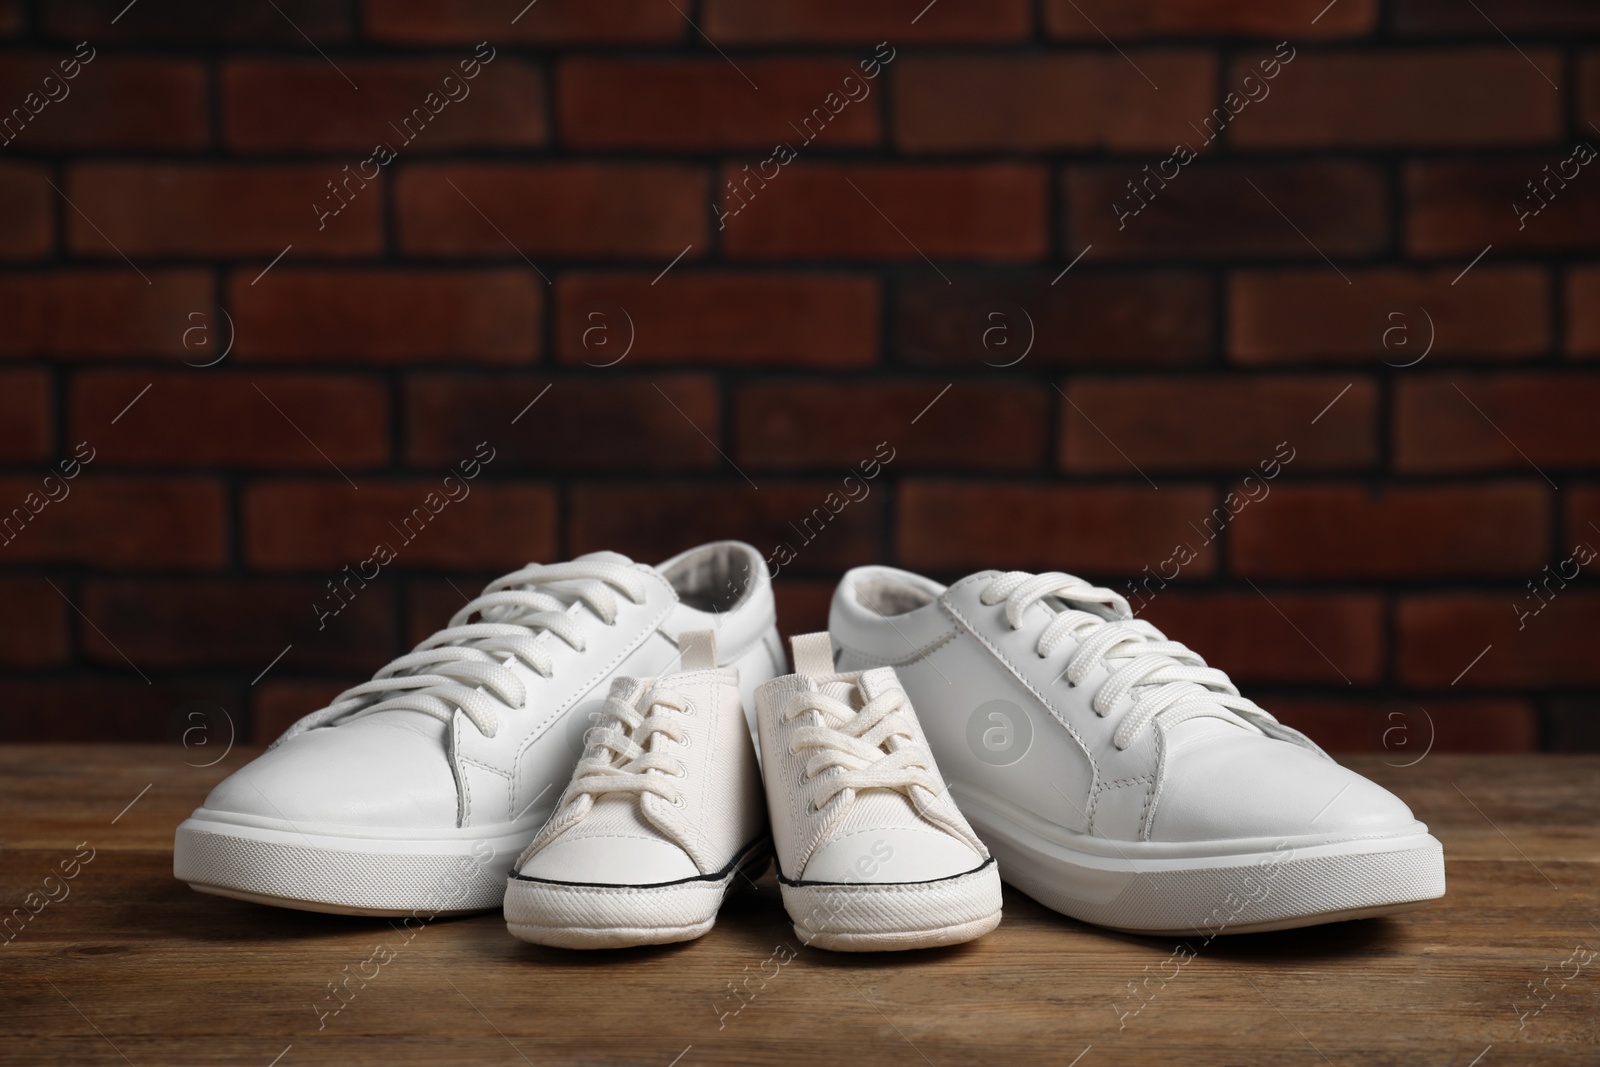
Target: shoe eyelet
x=687 y=742
x=680 y=802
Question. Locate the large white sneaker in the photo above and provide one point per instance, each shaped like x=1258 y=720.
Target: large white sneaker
x=872 y=852
x=413 y=792
x=664 y=816
x=1117 y=778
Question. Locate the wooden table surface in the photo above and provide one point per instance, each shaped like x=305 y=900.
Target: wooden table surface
x=124 y=964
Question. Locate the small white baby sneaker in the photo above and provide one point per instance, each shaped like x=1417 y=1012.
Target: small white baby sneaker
x=662 y=818
x=872 y=852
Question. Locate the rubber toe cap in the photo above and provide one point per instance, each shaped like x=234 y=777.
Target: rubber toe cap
x=610 y=860
x=892 y=854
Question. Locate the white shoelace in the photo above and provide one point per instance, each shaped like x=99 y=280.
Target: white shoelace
x=623 y=757
x=1165 y=677
x=465 y=665
x=855 y=741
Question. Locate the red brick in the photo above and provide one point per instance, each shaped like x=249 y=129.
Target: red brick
x=1120 y=19
x=388 y=316
x=33 y=622
x=1093 y=530
x=793 y=525
x=1313 y=315
x=1049 y=102
x=1407 y=99
x=553 y=209
x=110 y=102
x=1233 y=424
x=165 y=623
x=1155 y=319
x=1210 y=211
x=100 y=312
x=1407 y=732
x=1491 y=18
x=236 y=420
x=1583 y=312
x=1348 y=531
x=1583 y=515
x=1328 y=639
x=810 y=425
x=810 y=320
x=704 y=103
x=141 y=523
x=327 y=525
x=27 y=407
x=983 y=211
x=802 y=606
x=1573 y=725
x=193 y=22
x=277 y=705
x=668 y=422
x=213 y=209
x=1458 y=207
x=266 y=101
x=120 y=708
x=431 y=603
x=26 y=226
x=845 y=22
x=506 y=21
x=1501 y=422
x=1588 y=95
x=11 y=18
x=1440 y=634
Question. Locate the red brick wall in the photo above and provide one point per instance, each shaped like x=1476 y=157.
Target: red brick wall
x=1076 y=340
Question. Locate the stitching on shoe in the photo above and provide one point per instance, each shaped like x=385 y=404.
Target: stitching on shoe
x=466 y=783
x=1105 y=787
x=917 y=654
x=544 y=727
x=1016 y=672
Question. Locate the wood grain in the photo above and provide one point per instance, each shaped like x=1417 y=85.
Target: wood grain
x=130 y=966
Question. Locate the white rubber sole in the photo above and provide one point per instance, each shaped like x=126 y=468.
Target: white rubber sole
x=572 y=915
x=344 y=870
x=895 y=916
x=1208 y=888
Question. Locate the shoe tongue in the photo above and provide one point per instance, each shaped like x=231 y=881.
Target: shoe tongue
x=878 y=681
x=1190 y=731
x=866 y=686
x=1040 y=613
x=844 y=692
x=427 y=725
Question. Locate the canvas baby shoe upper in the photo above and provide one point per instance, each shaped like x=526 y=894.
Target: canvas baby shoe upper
x=872 y=852
x=662 y=818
